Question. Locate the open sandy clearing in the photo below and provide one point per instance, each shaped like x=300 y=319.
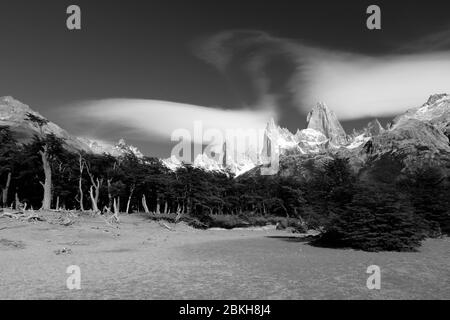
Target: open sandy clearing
x=142 y=260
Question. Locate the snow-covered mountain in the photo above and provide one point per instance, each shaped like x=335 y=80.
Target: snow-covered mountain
x=324 y=132
x=13 y=114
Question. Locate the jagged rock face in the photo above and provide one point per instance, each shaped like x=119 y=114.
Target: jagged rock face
x=279 y=137
x=304 y=141
x=311 y=141
x=123 y=148
x=325 y=121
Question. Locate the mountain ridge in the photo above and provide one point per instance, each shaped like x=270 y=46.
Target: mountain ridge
x=13 y=114
x=418 y=133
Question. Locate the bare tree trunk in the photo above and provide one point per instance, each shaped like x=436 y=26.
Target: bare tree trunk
x=57 y=203
x=129 y=198
x=47 y=185
x=95 y=184
x=80 y=186
x=116 y=204
x=166 y=207
x=5 y=190
x=94 y=197
x=116 y=209
x=144 y=204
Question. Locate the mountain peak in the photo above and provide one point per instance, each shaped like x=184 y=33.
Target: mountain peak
x=436 y=97
x=321 y=105
x=324 y=120
x=14 y=111
x=122 y=147
x=7 y=99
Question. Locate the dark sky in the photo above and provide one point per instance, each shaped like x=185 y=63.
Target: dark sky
x=142 y=49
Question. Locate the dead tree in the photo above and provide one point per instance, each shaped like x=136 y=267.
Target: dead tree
x=115 y=216
x=17 y=203
x=144 y=204
x=47 y=184
x=94 y=190
x=129 y=198
x=5 y=190
x=116 y=205
x=80 y=182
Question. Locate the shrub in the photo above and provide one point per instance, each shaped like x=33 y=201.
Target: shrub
x=227 y=222
x=377 y=219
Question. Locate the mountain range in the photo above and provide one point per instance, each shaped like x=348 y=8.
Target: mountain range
x=418 y=137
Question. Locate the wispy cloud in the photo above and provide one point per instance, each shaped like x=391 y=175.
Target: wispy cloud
x=152 y=120
x=354 y=85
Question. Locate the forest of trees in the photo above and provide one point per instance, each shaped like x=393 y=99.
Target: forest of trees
x=43 y=174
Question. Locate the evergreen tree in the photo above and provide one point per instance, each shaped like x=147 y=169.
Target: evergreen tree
x=377 y=219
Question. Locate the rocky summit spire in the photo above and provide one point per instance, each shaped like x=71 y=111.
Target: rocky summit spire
x=324 y=120
x=374 y=128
